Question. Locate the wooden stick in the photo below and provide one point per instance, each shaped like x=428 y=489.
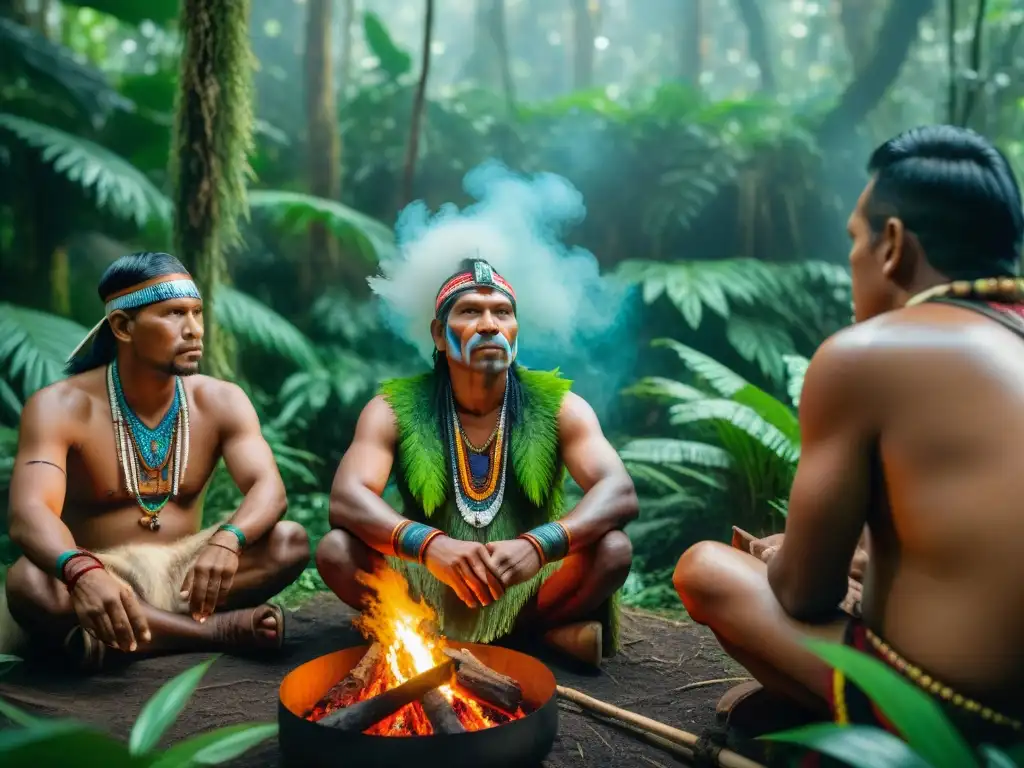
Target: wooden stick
x=440 y=713
x=364 y=714
x=726 y=757
x=358 y=677
x=484 y=683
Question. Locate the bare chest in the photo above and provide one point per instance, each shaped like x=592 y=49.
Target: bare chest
x=102 y=468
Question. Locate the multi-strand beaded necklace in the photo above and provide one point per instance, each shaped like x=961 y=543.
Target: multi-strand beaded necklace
x=478 y=471
x=158 y=455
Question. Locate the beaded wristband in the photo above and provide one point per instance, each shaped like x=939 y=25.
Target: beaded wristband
x=551 y=541
x=409 y=540
x=235 y=530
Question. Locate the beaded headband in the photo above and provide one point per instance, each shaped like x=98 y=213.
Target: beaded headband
x=174 y=286
x=482 y=276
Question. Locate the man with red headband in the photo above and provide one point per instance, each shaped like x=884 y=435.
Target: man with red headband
x=106 y=495
x=480 y=447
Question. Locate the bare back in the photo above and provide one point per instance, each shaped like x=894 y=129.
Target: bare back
x=97 y=509
x=946 y=583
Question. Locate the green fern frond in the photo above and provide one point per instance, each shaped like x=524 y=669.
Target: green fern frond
x=796 y=369
x=741 y=417
x=257 y=325
x=662 y=388
x=719 y=377
x=115 y=184
x=295 y=212
x=46 y=65
x=668 y=451
x=772 y=410
x=34 y=346
x=762 y=343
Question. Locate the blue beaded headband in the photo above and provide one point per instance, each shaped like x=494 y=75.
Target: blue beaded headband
x=175 y=286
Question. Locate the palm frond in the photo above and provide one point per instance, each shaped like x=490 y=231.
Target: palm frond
x=34 y=346
x=796 y=369
x=719 y=377
x=668 y=451
x=741 y=417
x=258 y=326
x=296 y=211
x=661 y=388
x=116 y=185
x=762 y=343
x=27 y=53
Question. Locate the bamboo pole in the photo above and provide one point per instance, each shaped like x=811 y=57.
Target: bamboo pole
x=726 y=757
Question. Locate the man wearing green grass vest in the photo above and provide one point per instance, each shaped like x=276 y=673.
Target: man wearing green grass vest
x=911 y=422
x=105 y=499
x=480 y=446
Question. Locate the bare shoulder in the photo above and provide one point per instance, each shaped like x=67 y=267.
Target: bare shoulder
x=377 y=422
x=576 y=415
x=216 y=395
x=67 y=402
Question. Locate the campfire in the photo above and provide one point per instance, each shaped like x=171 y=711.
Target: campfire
x=411 y=682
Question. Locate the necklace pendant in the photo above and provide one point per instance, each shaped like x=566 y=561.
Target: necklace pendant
x=152 y=523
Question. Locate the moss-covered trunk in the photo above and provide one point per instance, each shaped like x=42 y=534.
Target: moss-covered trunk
x=213 y=138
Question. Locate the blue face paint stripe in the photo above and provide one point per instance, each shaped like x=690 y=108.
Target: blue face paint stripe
x=454 y=345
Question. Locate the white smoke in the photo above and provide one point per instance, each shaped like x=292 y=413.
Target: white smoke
x=516 y=225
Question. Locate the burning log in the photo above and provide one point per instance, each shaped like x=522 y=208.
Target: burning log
x=362 y=715
x=348 y=690
x=483 y=682
x=440 y=713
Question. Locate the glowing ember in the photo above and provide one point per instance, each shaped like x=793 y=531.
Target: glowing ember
x=403 y=628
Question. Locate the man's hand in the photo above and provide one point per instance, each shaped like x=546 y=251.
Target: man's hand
x=765 y=549
x=109 y=611
x=207 y=585
x=516 y=561
x=465 y=566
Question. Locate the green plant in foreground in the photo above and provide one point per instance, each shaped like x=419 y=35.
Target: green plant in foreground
x=931 y=739
x=40 y=743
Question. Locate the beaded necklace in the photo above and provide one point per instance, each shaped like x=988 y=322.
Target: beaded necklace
x=152 y=471
x=1009 y=289
x=478 y=473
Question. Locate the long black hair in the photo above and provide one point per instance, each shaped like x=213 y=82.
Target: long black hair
x=123 y=273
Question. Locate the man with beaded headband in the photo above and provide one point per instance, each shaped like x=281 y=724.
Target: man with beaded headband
x=907 y=494
x=480 y=447
x=105 y=500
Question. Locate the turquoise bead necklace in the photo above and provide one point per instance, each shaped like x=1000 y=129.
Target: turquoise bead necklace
x=145 y=454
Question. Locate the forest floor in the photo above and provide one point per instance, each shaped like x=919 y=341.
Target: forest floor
x=669 y=670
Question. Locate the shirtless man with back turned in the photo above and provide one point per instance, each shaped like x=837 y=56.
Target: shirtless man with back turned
x=911 y=423
x=105 y=495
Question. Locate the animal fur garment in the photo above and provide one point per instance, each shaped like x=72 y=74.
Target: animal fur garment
x=154 y=572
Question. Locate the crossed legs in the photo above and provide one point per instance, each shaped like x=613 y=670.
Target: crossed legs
x=727 y=590
x=42 y=607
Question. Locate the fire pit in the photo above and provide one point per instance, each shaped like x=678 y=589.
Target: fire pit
x=407 y=737
x=412 y=696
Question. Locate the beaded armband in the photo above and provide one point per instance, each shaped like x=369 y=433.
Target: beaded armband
x=238 y=534
x=551 y=540
x=409 y=539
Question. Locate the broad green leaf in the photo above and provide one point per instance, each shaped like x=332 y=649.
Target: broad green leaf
x=719 y=377
x=16 y=715
x=62 y=742
x=659 y=450
x=34 y=346
x=860 y=746
x=997 y=758
x=394 y=62
x=258 y=326
x=163 y=709
x=917 y=716
x=216 y=747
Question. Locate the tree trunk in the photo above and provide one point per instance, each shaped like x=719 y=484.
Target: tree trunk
x=348 y=19
x=689 y=36
x=213 y=138
x=323 y=146
x=583 y=45
x=895 y=37
x=757 y=41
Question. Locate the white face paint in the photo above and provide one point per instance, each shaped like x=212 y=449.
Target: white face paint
x=488 y=362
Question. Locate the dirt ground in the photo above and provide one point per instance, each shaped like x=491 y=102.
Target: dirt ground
x=671 y=671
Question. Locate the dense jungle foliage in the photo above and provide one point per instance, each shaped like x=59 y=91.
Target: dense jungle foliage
x=715 y=191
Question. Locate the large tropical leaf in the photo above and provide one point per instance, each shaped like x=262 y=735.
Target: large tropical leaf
x=859 y=746
x=296 y=211
x=743 y=418
x=163 y=708
x=668 y=451
x=719 y=377
x=116 y=185
x=216 y=747
x=760 y=342
x=50 y=742
x=257 y=325
x=45 y=64
x=8 y=447
x=796 y=369
x=33 y=347
x=134 y=11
